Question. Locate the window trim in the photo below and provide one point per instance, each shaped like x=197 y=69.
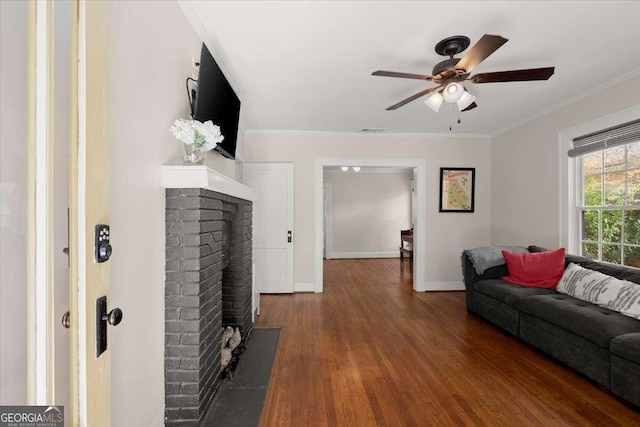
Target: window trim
x=569 y=185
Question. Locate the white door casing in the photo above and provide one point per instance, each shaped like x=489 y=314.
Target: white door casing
x=419 y=242
x=326 y=189
x=273 y=239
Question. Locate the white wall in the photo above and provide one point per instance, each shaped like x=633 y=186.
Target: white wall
x=13 y=203
x=368 y=210
x=151 y=49
x=447 y=234
x=525 y=167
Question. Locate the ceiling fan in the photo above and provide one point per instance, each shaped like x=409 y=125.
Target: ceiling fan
x=450 y=73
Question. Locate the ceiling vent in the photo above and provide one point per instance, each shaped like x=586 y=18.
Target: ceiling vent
x=373 y=130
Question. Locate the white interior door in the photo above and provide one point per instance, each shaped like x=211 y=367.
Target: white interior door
x=273 y=239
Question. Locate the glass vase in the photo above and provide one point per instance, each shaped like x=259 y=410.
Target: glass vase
x=192 y=155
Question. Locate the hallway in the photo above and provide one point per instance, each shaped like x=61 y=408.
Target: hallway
x=370 y=351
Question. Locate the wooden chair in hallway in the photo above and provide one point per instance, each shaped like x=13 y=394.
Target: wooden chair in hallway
x=406 y=246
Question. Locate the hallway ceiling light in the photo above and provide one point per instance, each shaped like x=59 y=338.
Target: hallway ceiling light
x=356 y=168
x=344 y=168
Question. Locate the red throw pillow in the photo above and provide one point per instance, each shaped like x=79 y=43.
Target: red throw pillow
x=538 y=269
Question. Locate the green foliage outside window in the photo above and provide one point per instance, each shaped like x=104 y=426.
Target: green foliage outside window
x=614 y=186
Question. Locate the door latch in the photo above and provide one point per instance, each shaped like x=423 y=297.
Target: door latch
x=289 y=236
x=114 y=317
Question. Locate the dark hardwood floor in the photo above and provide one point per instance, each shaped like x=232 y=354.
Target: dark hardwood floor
x=370 y=351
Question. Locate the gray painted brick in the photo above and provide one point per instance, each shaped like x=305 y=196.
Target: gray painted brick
x=171 y=339
x=171 y=313
x=172 y=215
x=191 y=239
x=196 y=192
x=172 y=265
x=190 y=289
x=180 y=252
x=182 y=301
x=181 y=401
x=172 y=388
x=174 y=277
x=172 y=241
x=171 y=363
x=190 y=339
x=183 y=227
x=181 y=326
x=182 y=351
x=172 y=289
x=173 y=376
x=190 y=313
x=190 y=364
x=182 y=202
x=190 y=388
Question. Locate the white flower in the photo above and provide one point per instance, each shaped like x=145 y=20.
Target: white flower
x=200 y=135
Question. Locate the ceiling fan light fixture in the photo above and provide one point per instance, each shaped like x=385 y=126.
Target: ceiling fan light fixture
x=465 y=100
x=453 y=92
x=434 y=101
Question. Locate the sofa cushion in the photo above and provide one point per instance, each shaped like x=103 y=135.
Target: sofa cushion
x=506 y=292
x=627 y=346
x=568 y=258
x=540 y=270
x=589 y=321
x=621 y=272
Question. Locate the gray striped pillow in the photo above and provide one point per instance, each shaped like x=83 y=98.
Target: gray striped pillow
x=597 y=288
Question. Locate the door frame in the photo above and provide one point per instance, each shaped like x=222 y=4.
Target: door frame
x=40 y=139
x=89 y=383
x=326 y=188
x=419 y=175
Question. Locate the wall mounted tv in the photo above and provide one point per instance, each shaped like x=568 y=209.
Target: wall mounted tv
x=215 y=100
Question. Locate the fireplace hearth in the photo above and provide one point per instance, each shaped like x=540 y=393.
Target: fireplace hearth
x=208 y=286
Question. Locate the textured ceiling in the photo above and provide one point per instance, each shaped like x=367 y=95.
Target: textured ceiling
x=307 y=65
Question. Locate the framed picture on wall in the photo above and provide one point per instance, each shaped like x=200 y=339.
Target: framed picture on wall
x=457 y=189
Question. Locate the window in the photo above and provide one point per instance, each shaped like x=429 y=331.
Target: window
x=609 y=204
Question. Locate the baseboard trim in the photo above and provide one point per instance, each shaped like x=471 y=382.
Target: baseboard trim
x=347 y=255
x=304 y=287
x=443 y=286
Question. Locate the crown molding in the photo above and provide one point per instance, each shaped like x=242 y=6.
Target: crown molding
x=594 y=90
x=368 y=135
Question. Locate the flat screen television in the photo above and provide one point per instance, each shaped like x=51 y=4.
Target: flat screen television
x=216 y=100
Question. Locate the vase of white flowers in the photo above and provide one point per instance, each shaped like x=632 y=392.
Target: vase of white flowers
x=198 y=138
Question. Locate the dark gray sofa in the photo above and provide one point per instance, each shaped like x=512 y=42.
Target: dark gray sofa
x=601 y=344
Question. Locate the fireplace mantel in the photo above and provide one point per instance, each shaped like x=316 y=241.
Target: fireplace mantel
x=204 y=177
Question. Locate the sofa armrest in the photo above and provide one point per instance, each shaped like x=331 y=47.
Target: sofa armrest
x=471 y=276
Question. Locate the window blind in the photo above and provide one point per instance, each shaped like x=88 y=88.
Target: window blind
x=607 y=138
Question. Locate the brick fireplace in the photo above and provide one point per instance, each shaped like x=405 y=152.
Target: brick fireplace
x=208 y=286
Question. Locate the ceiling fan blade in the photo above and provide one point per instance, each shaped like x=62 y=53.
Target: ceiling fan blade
x=514 y=75
x=480 y=51
x=413 y=97
x=470 y=107
x=402 y=75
